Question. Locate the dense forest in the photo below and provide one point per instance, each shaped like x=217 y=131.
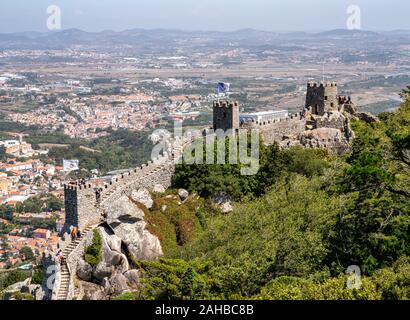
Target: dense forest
x=296 y=226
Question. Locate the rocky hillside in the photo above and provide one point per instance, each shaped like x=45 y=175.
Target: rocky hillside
x=140 y=227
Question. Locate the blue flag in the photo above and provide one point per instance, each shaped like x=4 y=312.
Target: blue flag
x=223 y=87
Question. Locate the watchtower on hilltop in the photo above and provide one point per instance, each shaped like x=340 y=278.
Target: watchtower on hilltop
x=321 y=97
x=226 y=115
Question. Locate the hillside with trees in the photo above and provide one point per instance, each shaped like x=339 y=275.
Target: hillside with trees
x=297 y=225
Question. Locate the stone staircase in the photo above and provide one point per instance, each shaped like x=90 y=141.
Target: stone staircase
x=65 y=273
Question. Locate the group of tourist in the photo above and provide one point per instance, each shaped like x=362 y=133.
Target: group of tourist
x=60 y=257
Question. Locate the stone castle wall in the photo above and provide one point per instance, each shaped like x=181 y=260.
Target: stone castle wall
x=330 y=122
x=276 y=130
x=146 y=176
x=84 y=209
x=336 y=145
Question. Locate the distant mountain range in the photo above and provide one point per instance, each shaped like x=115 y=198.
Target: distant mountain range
x=163 y=37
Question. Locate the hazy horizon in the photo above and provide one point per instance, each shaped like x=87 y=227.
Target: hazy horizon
x=209 y=15
x=202 y=30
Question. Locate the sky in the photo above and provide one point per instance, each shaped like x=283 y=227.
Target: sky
x=218 y=15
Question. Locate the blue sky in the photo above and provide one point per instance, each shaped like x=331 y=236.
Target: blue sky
x=224 y=15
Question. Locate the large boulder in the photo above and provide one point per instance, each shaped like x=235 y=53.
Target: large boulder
x=183 y=194
x=126 y=220
x=15 y=288
x=142 y=196
x=116 y=284
x=112 y=261
x=133 y=277
x=323 y=134
x=84 y=270
x=123 y=210
x=18 y=287
x=139 y=241
x=103 y=271
x=25 y=287
x=93 y=291
x=158 y=188
x=114 y=242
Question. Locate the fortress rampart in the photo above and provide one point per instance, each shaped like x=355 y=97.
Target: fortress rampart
x=84 y=203
x=277 y=129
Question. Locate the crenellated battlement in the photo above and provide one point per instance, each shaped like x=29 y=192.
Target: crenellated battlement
x=85 y=201
x=225 y=104
x=313 y=84
x=269 y=122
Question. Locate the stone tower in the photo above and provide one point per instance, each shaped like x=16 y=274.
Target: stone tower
x=226 y=115
x=71 y=207
x=322 y=97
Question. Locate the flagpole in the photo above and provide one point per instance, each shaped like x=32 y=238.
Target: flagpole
x=323 y=72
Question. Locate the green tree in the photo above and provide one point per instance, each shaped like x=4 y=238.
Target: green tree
x=373 y=231
x=6 y=212
x=93 y=253
x=12 y=278
x=210 y=180
x=54 y=203
x=26 y=253
x=38 y=275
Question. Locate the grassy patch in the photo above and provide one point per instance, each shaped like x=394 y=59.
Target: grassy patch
x=22 y=296
x=177 y=224
x=127 y=296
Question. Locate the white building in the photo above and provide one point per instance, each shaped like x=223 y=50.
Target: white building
x=263 y=116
